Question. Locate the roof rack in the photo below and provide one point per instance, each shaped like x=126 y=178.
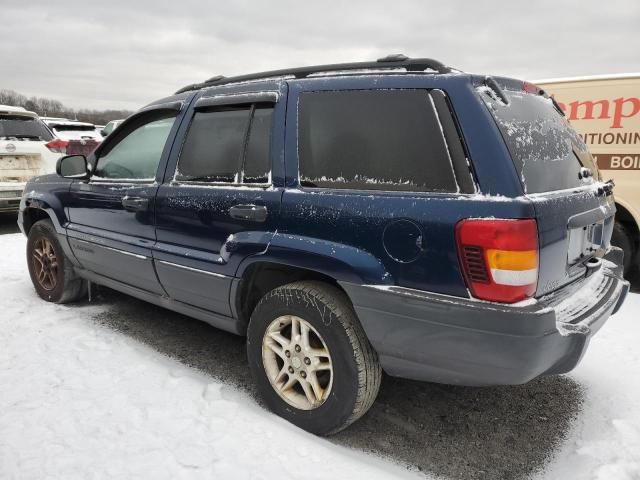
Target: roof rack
x=389 y=62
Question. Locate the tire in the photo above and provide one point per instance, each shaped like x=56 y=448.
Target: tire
x=621 y=238
x=59 y=284
x=351 y=382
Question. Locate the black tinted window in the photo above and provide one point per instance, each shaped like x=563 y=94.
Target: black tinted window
x=381 y=140
x=212 y=151
x=543 y=146
x=257 y=161
x=20 y=126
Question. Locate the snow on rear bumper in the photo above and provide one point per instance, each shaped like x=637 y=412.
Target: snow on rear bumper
x=438 y=338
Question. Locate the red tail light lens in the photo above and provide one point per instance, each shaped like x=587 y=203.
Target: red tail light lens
x=499 y=258
x=58 y=146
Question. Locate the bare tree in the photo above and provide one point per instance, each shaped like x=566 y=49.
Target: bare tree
x=48 y=107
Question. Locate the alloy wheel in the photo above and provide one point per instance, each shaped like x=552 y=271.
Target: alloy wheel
x=45 y=263
x=297 y=362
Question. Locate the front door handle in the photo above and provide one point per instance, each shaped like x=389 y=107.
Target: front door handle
x=135 y=204
x=252 y=213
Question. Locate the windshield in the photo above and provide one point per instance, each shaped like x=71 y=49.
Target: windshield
x=21 y=126
x=547 y=153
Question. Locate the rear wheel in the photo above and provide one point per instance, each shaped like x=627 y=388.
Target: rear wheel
x=621 y=238
x=51 y=272
x=310 y=358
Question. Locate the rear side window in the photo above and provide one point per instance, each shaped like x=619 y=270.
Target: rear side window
x=373 y=140
x=227 y=146
x=545 y=150
x=23 y=128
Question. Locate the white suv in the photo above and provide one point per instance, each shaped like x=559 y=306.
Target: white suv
x=23 y=153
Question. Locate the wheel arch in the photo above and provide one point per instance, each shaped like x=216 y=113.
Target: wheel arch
x=42 y=208
x=36 y=209
x=262 y=276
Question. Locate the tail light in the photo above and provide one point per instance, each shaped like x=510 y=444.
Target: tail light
x=499 y=258
x=531 y=88
x=57 y=145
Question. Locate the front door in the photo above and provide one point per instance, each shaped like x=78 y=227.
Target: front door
x=111 y=230
x=219 y=205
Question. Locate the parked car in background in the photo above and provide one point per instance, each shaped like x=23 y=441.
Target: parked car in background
x=605 y=111
x=110 y=127
x=24 y=153
x=73 y=137
x=406 y=217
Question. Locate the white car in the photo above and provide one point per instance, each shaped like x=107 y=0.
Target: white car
x=25 y=152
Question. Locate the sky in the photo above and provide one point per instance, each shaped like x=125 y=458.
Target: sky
x=123 y=54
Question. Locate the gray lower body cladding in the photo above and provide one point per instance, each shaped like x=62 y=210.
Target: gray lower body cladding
x=438 y=338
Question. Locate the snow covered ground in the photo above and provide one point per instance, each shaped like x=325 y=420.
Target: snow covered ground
x=78 y=400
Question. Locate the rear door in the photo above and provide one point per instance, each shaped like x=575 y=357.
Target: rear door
x=111 y=216
x=574 y=210
x=220 y=204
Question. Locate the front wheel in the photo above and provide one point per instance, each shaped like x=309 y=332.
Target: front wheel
x=51 y=272
x=310 y=358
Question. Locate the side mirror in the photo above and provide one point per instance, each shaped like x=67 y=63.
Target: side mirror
x=103 y=132
x=73 y=166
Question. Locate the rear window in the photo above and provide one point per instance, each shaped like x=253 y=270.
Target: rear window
x=373 y=140
x=76 y=133
x=23 y=127
x=547 y=153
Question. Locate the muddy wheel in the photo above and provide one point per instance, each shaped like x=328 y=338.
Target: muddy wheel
x=51 y=272
x=310 y=358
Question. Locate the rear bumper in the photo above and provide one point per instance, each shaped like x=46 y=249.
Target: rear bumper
x=10 y=197
x=432 y=337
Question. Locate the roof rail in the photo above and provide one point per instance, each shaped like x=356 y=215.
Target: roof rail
x=389 y=62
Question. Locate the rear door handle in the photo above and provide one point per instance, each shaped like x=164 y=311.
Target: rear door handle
x=252 y=213
x=135 y=204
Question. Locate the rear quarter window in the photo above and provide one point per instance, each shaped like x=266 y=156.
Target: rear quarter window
x=547 y=153
x=388 y=140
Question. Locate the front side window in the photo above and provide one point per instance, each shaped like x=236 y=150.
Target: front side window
x=227 y=146
x=373 y=140
x=136 y=156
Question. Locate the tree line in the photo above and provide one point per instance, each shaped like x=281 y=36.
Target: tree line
x=47 y=107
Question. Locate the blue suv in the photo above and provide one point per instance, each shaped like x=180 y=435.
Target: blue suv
x=396 y=216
